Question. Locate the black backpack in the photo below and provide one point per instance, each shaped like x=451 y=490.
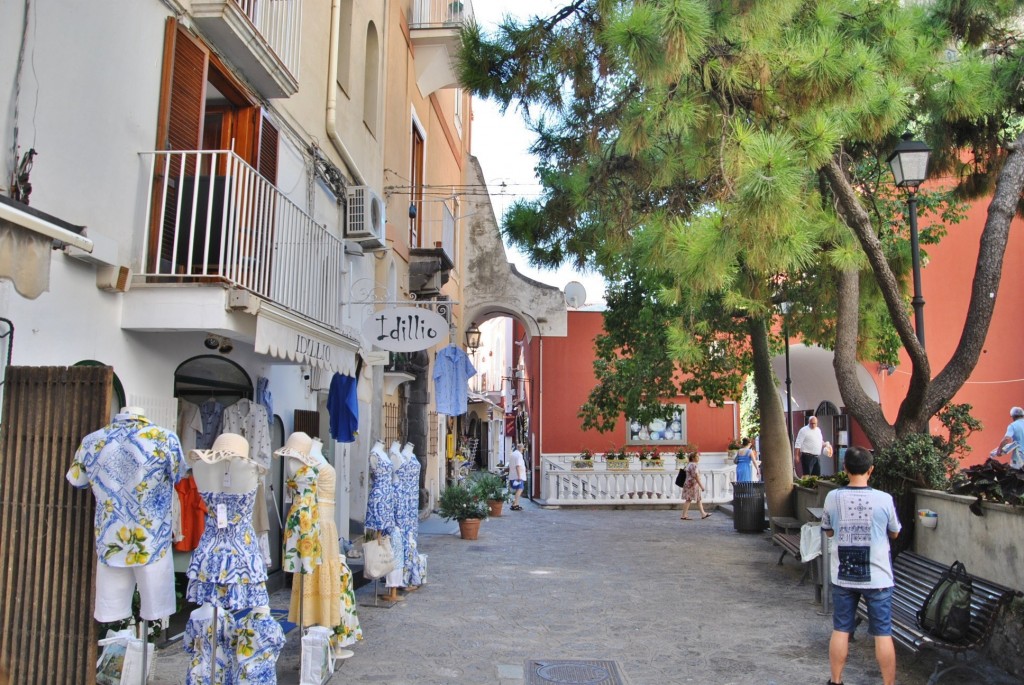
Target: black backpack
x=946 y=613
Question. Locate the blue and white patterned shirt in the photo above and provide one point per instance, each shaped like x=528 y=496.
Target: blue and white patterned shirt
x=452 y=371
x=132 y=466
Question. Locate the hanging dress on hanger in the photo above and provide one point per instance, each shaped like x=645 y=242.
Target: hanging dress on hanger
x=302 y=550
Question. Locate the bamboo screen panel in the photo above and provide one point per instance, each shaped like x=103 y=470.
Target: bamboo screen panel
x=47 y=576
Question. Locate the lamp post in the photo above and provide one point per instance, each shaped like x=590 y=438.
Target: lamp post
x=785 y=307
x=909 y=164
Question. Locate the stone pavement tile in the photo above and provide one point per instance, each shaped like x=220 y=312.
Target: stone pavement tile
x=670 y=601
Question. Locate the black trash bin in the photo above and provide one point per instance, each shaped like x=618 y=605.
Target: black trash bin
x=748 y=507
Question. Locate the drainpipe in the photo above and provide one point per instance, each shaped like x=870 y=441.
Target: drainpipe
x=332 y=96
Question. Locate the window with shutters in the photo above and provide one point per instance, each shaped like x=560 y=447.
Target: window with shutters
x=215 y=126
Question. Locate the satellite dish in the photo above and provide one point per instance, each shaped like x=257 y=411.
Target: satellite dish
x=575 y=294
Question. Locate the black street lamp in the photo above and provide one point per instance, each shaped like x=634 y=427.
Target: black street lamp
x=473 y=338
x=909 y=164
x=785 y=307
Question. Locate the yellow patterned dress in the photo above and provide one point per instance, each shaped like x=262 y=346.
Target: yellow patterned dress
x=302 y=528
x=328 y=596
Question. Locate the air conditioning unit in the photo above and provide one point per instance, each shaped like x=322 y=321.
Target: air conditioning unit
x=365 y=221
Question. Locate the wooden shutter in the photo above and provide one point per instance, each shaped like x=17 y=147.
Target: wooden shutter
x=180 y=126
x=308 y=422
x=267 y=160
x=47 y=576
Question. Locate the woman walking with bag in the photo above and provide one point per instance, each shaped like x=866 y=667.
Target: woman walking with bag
x=693 y=488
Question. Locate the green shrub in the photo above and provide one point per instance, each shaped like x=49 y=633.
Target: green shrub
x=457 y=502
x=489 y=487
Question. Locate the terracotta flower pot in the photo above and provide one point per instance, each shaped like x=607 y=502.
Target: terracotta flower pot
x=469 y=528
x=496 y=506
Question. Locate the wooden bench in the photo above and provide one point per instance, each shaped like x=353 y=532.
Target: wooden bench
x=786 y=534
x=915 y=576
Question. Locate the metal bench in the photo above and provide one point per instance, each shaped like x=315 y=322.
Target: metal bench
x=915 y=576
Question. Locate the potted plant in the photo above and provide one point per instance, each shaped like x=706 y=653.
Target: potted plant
x=649 y=458
x=458 y=503
x=617 y=460
x=685 y=453
x=490 y=487
x=734 y=447
x=584 y=461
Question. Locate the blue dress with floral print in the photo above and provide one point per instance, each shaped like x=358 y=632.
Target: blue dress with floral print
x=380 y=501
x=227 y=568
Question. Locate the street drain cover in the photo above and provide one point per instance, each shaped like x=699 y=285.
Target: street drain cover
x=574 y=671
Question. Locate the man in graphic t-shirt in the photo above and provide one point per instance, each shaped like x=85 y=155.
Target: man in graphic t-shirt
x=862 y=520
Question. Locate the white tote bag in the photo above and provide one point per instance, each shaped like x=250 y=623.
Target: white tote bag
x=378 y=559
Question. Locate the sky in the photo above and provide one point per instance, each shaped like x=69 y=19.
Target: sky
x=501 y=143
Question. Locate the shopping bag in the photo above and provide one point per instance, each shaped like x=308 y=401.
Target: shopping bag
x=378 y=559
x=120 y=662
x=317 y=664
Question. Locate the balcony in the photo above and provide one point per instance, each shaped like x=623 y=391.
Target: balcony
x=434 y=31
x=259 y=37
x=215 y=220
x=429 y=267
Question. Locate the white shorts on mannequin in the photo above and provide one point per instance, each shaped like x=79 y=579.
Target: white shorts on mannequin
x=115 y=587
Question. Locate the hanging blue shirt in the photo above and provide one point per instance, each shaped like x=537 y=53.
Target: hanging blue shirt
x=452 y=371
x=343 y=407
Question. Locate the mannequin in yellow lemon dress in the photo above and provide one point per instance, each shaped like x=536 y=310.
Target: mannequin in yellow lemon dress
x=328 y=594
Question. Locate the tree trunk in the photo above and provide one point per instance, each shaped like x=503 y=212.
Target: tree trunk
x=776 y=450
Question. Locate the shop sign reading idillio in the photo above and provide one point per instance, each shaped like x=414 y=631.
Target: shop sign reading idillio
x=406 y=329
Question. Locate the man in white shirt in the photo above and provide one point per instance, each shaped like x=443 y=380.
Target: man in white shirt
x=517 y=475
x=808 y=446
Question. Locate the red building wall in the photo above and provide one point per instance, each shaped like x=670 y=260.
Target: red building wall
x=997 y=382
x=565 y=378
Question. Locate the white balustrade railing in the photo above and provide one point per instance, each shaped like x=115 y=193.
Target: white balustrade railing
x=280 y=24
x=561 y=484
x=441 y=13
x=214 y=218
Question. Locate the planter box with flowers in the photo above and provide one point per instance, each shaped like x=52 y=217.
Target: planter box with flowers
x=650 y=460
x=617 y=460
x=584 y=462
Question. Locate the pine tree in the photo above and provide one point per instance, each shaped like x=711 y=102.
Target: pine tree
x=724 y=156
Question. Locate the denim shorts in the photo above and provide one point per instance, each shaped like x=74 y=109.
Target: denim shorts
x=516 y=484
x=844 y=609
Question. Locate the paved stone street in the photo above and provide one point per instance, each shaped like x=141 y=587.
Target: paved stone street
x=669 y=601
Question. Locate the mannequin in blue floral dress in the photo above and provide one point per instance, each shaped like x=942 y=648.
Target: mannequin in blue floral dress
x=746 y=462
x=227 y=573
x=409 y=514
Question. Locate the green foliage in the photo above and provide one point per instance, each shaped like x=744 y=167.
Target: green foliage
x=489 y=487
x=959 y=424
x=685 y=152
x=913 y=461
x=992 y=481
x=459 y=503
x=750 y=413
